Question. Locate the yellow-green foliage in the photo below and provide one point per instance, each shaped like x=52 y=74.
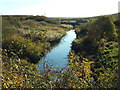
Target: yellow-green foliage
x=100 y=45
x=29 y=39
x=79 y=70
x=25 y=48
x=107 y=66
x=24 y=43
x=18 y=73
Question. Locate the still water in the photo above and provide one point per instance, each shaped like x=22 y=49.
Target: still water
x=58 y=56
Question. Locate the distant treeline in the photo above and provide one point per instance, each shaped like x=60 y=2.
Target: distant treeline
x=36 y=18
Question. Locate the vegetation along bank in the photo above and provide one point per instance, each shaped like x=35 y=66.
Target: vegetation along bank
x=93 y=61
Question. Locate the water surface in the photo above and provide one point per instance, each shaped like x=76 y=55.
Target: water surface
x=58 y=56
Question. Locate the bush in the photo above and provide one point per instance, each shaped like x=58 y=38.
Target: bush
x=24 y=48
x=85 y=46
x=18 y=73
x=103 y=27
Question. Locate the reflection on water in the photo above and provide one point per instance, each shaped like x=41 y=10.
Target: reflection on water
x=57 y=57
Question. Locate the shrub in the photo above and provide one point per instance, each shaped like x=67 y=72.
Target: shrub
x=85 y=46
x=103 y=27
x=24 y=48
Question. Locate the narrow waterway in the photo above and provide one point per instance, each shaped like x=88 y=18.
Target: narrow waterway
x=58 y=57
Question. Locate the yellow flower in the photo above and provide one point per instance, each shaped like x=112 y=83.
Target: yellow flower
x=16 y=66
x=73 y=86
x=77 y=63
x=10 y=82
x=20 y=84
x=4 y=84
x=15 y=77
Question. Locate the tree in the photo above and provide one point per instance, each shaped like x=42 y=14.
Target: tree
x=103 y=27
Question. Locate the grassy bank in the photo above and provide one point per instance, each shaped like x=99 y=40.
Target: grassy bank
x=97 y=40
x=93 y=61
x=25 y=40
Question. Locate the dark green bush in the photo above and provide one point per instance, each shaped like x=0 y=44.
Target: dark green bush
x=85 y=46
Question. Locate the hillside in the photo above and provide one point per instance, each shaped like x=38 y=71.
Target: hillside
x=97 y=40
x=93 y=61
